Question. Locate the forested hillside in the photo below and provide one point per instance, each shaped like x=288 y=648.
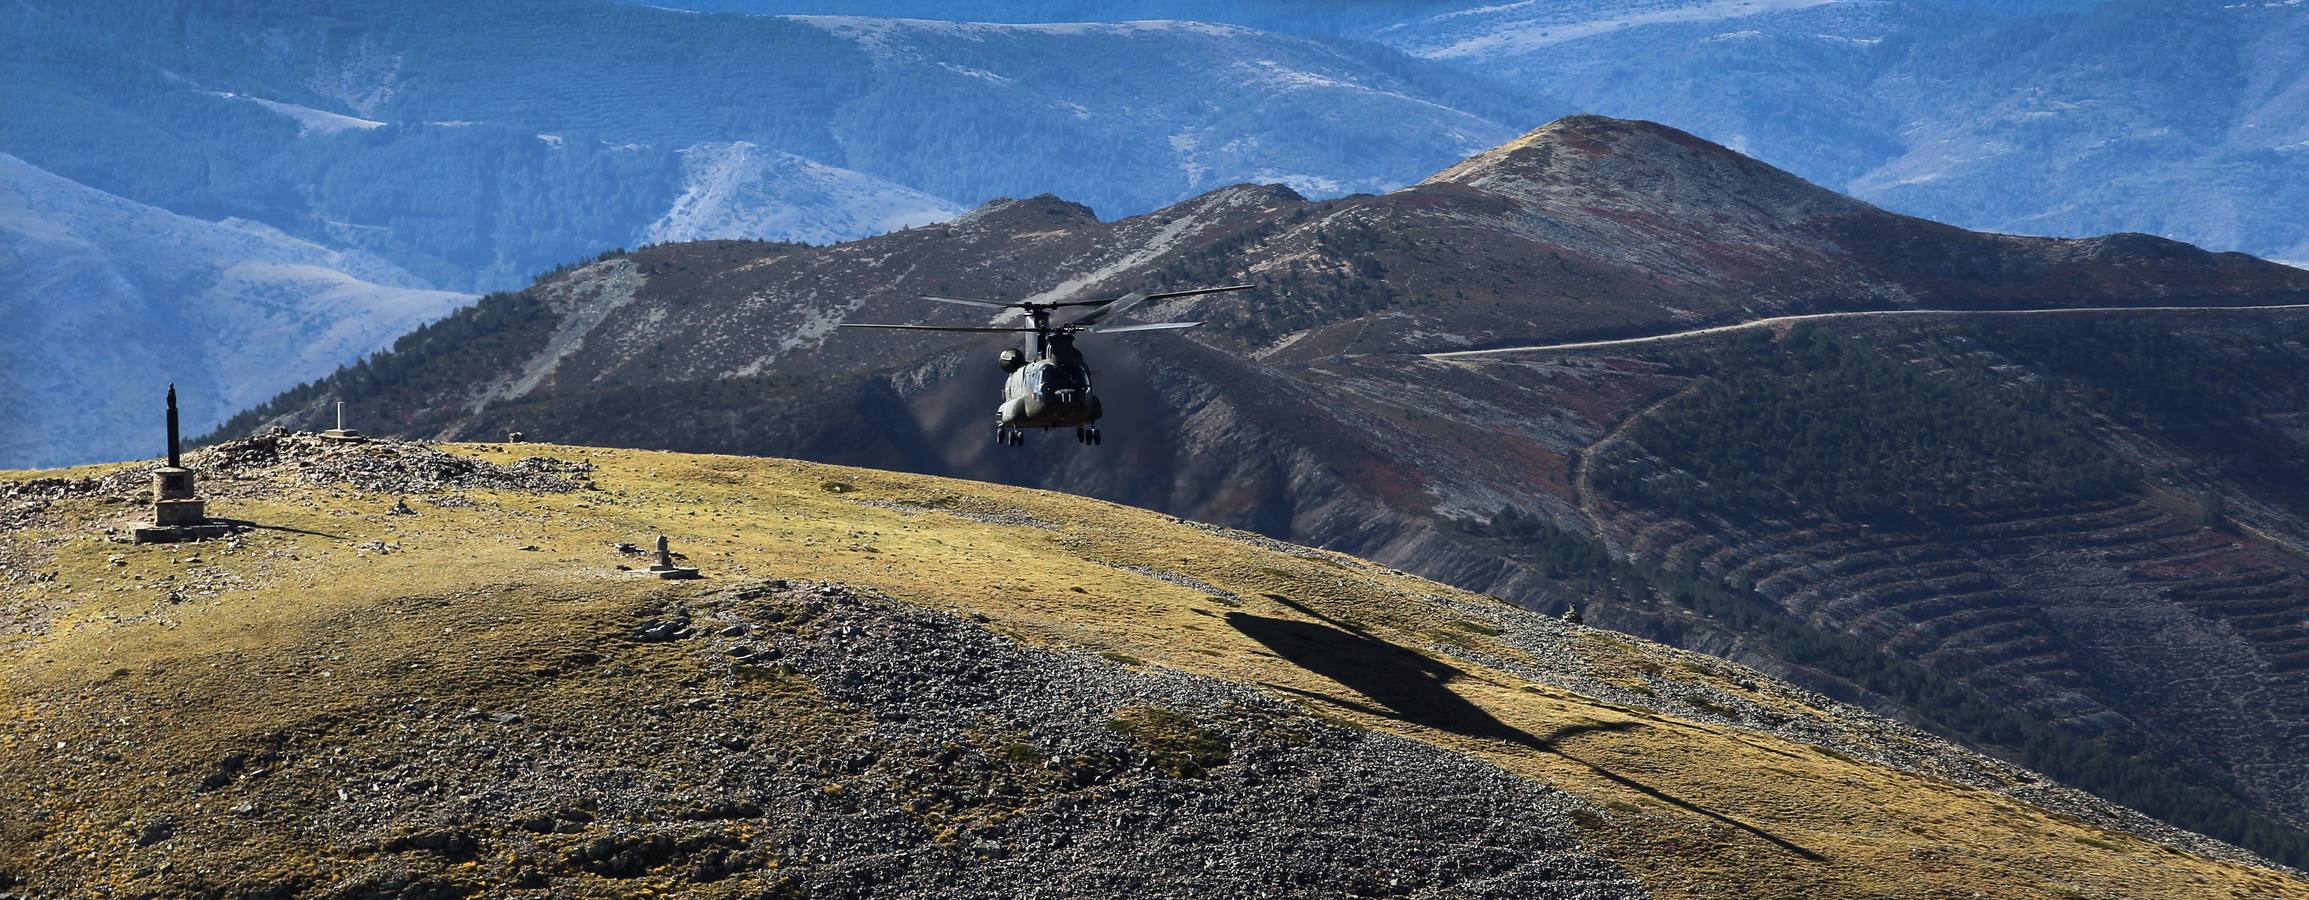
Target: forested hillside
x=1808 y=427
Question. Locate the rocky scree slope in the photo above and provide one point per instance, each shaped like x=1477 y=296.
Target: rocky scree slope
x=1305 y=411
x=430 y=671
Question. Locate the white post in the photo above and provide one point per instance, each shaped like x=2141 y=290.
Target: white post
x=340 y=415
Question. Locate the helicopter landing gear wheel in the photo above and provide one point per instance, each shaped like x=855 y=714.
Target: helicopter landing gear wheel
x=1095 y=438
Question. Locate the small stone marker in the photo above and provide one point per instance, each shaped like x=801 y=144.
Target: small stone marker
x=1571 y=615
x=178 y=513
x=664 y=567
x=513 y=437
x=341 y=433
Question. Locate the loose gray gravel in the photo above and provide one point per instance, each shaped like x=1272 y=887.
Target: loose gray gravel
x=1299 y=808
x=844 y=745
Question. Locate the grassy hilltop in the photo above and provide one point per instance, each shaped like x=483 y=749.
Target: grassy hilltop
x=911 y=683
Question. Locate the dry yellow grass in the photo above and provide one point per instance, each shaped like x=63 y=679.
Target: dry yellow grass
x=302 y=620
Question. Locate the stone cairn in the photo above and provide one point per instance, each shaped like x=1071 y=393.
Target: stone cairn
x=664 y=566
x=178 y=512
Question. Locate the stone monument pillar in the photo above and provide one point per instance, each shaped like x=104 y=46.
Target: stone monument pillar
x=178 y=512
x=665 y=568
x=341 y=433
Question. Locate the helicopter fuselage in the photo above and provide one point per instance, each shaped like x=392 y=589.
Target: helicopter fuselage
x=1046 y=381
x=1045 y=394
x=1051 y=391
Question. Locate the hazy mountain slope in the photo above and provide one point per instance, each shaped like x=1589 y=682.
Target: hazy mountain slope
x=520 y=135
x=108 y=300
x=2053 y=117
x=1304 y=409
x=738 y=191
x=2179 y=119
x=891 y=685
x=1288 y=16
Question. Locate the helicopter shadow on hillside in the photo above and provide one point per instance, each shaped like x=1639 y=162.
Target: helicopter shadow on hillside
x=1415 y=688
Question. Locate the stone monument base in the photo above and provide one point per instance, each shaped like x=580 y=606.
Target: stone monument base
x=672 y=572
x=344 y=434
x=170 y=513
x=177 y=534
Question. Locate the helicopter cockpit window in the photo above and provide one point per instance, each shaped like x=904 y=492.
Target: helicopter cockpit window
x=1048 y=380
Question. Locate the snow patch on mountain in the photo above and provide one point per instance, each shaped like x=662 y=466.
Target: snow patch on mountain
x=1521 y=27
x=980 y=74
x=867 y=28
x=309 y=121
x=1310 y=185
x=1185 y=143
x=738 y=190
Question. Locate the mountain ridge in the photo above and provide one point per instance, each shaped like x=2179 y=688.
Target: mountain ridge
x=1304 y=409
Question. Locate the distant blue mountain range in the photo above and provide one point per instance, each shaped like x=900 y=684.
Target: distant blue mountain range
x=470 y=146
x=479 y=143
x=2185 y=118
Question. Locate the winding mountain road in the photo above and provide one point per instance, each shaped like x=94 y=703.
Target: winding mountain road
x=1776 y=321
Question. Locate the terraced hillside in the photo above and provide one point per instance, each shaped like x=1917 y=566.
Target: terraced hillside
x=431 y=671
x=2083 y=600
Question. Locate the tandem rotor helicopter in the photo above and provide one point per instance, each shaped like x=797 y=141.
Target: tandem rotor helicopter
x=1048 y=384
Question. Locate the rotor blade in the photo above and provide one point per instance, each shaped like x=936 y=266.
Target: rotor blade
x=925 y=327
x=989 y=304
x=1151 y=326
x=1165 y=295
x=1111 y=307
x=1134 y=298
x=996 y=304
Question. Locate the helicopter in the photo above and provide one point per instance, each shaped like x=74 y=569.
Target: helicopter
x=1047 y=382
